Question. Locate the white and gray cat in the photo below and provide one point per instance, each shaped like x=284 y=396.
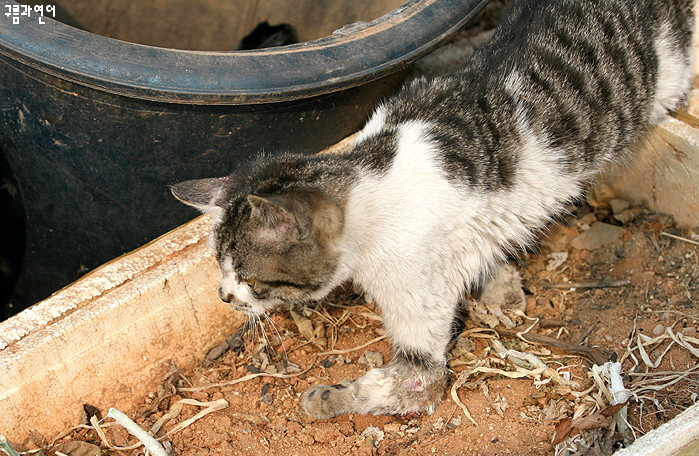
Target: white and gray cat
x=446 y=179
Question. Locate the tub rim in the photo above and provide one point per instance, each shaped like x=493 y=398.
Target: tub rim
x=236 y=77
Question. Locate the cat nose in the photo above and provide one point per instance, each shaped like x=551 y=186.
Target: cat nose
x=225 y=297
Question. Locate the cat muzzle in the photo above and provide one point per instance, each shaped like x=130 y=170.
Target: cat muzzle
x=225 y=297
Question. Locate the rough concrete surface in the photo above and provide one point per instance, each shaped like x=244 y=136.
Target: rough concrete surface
x=115 y=345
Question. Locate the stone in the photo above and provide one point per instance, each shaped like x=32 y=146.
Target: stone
x=454 y=423
x=658 y=330
x=619 y=205
x=373 y=436
x=690 y=331
x=599 y=234
x=625 y=217
x=556 y=259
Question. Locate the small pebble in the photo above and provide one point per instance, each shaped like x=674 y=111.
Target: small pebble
x=454 y=423
x=689 y=331
x=372 y=436
x=307 y=439
x=342 y=359
x=658 y=330
x=251 y=368
x=328 y=362
x=619 y=205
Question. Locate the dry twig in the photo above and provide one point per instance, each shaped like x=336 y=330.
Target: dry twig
x=249 y=377
x=594 y=354
x=596 y=284
x=679 y=238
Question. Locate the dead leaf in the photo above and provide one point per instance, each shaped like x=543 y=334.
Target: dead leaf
x=319 y=339
x=502 y=292
x=499 y=404
x=596 y=420
x=593 y=421
x=76 y=449
x=539 y=399
x=313 y=334
x=563 y=430
x=612 y=409
x=371 y=359
x=304 y=325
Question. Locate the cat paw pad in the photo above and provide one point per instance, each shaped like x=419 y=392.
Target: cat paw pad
x=327 y=401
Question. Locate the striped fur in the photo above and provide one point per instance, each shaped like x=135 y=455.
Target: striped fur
x=448 y=178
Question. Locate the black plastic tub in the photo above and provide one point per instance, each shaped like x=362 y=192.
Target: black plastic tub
x=95 y=126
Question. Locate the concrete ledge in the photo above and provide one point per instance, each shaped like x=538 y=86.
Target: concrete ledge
x=665 y=176
x=678 y=437
x=105 y=339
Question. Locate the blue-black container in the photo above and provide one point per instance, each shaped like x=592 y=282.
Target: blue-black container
x=94 y=128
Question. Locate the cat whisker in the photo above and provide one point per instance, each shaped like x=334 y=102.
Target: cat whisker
x=257 y=328
x=268 y=346
x=274 y=325
x=252 y=320
x=246 y=329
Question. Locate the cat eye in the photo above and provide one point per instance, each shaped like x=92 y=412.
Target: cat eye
x=251 y=282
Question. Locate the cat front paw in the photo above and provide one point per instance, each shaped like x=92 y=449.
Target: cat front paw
x=327 y=401
x=396 y=389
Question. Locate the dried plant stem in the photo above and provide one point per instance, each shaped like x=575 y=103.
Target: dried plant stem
x=349 y=350
x=6 y=447
x=598 y=284
x=248 y=377
x=455 y=396
x=149 y=443
x=679 y=238
x=212 y=406
x=530 y=362
x=593 y=354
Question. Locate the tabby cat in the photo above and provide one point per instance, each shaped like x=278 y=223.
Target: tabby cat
x=446 y=180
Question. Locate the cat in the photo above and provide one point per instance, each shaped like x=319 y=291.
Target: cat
x=447 y=179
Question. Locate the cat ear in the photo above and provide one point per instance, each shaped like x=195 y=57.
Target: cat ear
x=203 y=194
x=282 y=217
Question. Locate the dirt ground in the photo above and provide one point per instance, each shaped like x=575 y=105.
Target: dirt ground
x=638 y=281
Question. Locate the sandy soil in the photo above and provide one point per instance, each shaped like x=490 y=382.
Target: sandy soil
x=656 y=278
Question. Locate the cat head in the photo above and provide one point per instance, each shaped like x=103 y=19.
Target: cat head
x=272 y=248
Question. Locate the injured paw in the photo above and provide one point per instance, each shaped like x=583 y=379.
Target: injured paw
x=396 y=389
x=327 y=401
